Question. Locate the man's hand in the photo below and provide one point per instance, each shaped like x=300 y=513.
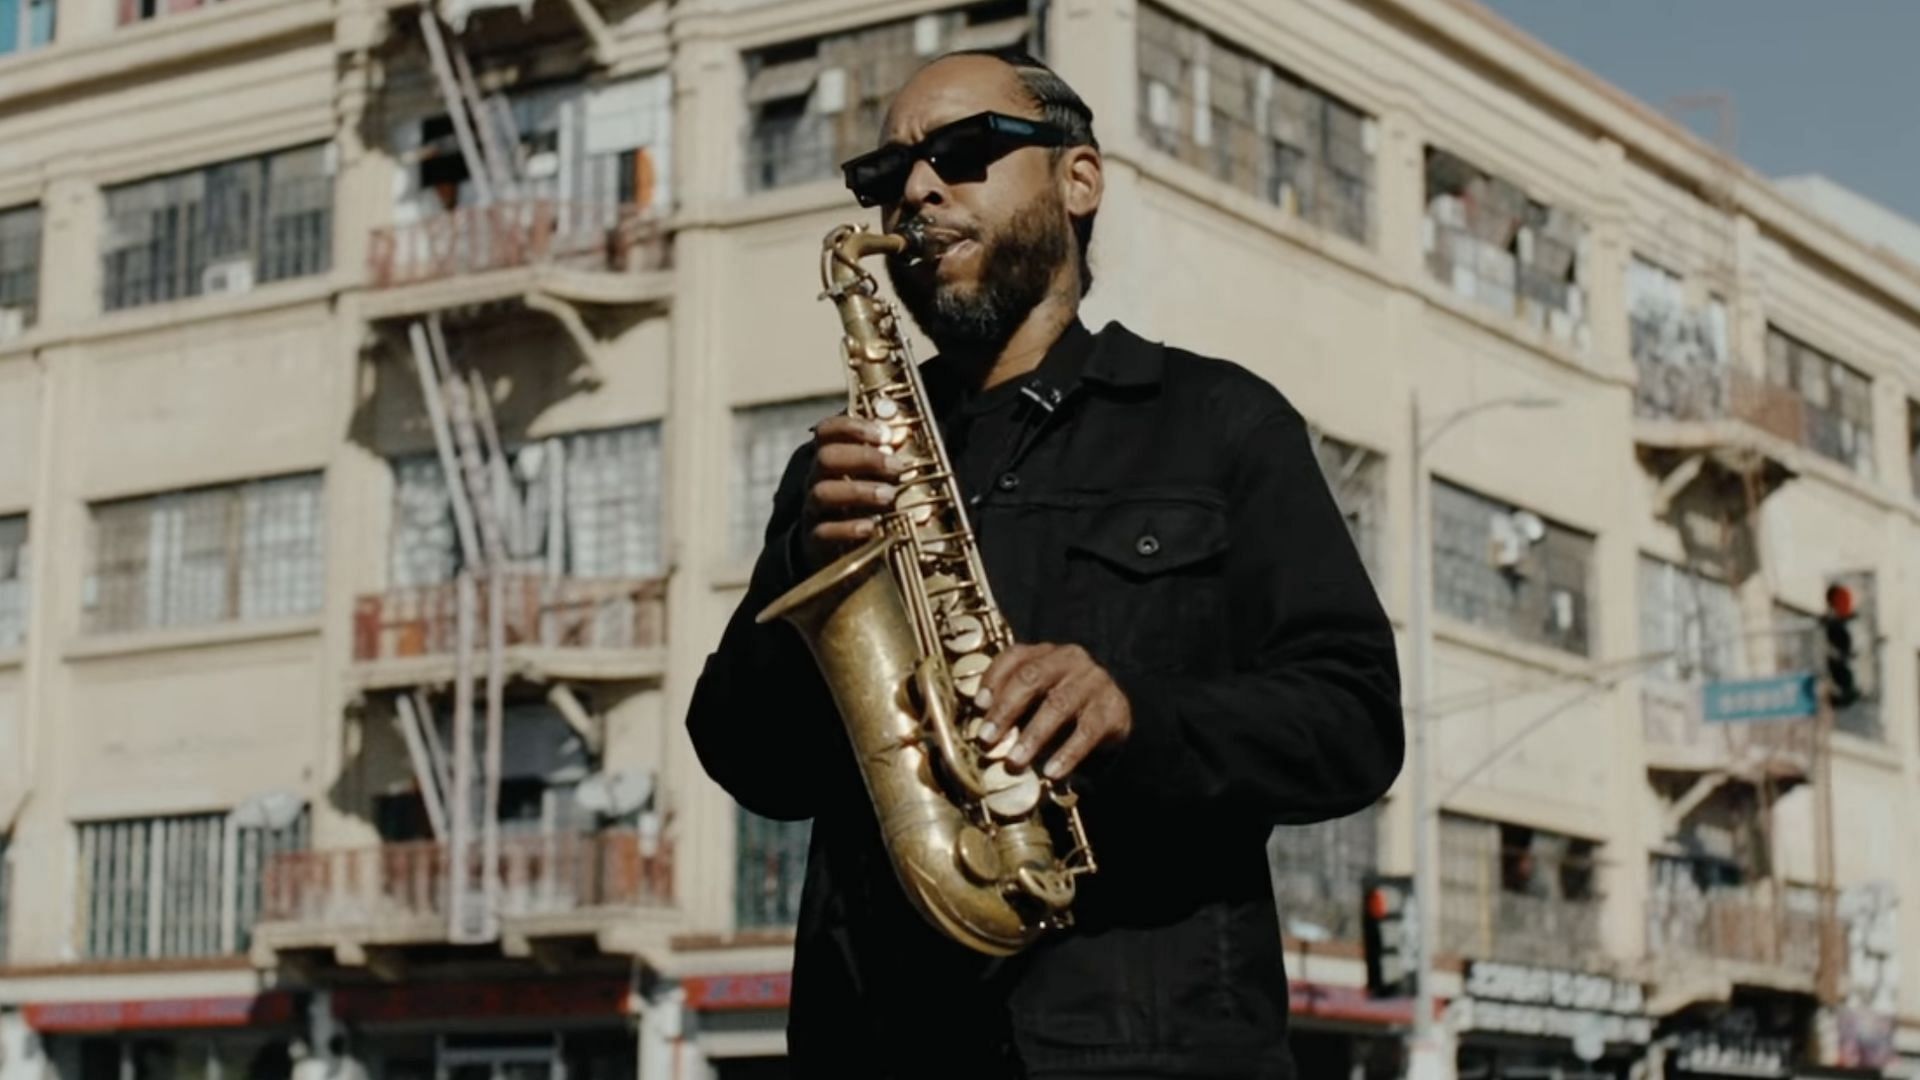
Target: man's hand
x=849 y=486
x=1053 y=692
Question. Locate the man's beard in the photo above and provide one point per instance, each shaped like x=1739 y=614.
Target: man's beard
x=1016 y=272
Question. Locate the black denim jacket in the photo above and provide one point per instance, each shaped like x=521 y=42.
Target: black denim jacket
x=1168 y=515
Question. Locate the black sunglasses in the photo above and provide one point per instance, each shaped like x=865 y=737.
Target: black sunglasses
x=959 y=152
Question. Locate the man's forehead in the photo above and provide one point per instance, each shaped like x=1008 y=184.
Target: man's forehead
x=953 y=89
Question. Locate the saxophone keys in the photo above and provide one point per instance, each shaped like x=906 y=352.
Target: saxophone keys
x=966 y=634
x=978 y=857
x=886 y=408
x=1010 y=795
x=967 y=671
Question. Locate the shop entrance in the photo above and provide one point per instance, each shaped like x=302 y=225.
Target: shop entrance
x=475 y=1057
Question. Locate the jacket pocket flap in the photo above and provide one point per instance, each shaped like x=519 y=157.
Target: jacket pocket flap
x=1153 y=536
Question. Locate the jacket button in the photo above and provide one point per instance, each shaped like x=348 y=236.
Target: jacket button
x=1007 y=482
x=1147 y=545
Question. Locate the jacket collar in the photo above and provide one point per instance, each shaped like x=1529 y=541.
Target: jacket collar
x=1124 y=359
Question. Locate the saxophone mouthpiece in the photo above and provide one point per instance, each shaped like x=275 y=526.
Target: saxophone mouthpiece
x=914 y=233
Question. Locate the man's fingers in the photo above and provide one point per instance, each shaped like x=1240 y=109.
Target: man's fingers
x=855 y=460
x=842 y=428
x=1099 y=718
x=1063 y=703
x=1026 y=679
x=845 y=498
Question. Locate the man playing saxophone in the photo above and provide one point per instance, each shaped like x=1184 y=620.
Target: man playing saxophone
x=1198 y=648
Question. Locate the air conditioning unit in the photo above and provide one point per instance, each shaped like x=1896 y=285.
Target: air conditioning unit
x=229 y=276
x=13 y=322
x=1511 y=538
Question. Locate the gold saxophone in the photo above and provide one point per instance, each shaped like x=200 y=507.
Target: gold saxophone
x=903 y=628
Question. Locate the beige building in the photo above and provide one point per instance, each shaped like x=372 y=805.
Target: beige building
x=271 y=271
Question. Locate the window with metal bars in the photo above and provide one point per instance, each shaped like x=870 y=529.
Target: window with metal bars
x=770 y=868
x=13 y=581
x=1357 y=478
x=1692 y=617
x=222 y=228
x=1240 y=119
x=587 y=504
x=1517 y=893
x=1679 y=346
x=1836 y=400
x=764 y=439
x=236 y=552
x=1488 y=570
x=25 y=24
x=813 y=104
x=1318 y=869
x=19 y=267
x=174 y=886
x=1492 y=244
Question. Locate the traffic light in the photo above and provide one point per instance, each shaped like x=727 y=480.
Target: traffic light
x=1389 y=928
x=1836 y=623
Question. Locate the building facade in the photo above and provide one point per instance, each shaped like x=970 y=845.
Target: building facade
x=391 y=398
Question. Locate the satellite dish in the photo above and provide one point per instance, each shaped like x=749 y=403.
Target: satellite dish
x=1529 y=526
x=272 y=810
x=615 y=794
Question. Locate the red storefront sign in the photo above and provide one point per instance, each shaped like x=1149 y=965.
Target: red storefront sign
x=161 y=1013
x=760 y=990
x=602 y=996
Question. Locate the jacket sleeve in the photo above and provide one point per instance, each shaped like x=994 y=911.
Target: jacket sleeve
x=1307 y=726
x=762 y=721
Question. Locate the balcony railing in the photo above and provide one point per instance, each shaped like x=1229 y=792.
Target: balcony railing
x=1519 y=928
x=1690 y=928
x=522 y=233
x=770 y=867
x=397 y=884
x=1678 y=738
x=1669 y=391
x=560 y=613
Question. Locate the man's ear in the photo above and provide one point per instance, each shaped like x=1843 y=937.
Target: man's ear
x=1082 y=180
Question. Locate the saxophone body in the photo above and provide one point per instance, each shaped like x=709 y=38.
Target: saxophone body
x=902 y=629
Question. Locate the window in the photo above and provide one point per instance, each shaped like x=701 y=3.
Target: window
x=770 y=869
x=586 y=503
x=133 y=11
x=1356 y=476
x=1693 y=617
x=1836 y=400
x=13 y=581
x=1516 y=893
x=764 y=439
x=6 y=893
x=1318 y=870
x=25 y=24
x=1490 y=243
x=236 y=552
x=1507 y=569
x=222 y=228
x=1913 y=446
x=813 y=104
x=19 y=268
x=174 y=886
x=1679 y=347
x=1240 y=119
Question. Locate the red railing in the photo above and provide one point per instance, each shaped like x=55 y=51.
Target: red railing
x=1719 y=392
x=526 y=232
x=543 y=874
x=566 y=613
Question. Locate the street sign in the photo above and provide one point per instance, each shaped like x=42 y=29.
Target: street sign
x=1740 y=701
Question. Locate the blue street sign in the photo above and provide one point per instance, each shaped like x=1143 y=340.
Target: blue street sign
x=1777 y=697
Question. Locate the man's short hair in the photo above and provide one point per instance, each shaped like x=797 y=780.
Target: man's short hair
x=1062 y=107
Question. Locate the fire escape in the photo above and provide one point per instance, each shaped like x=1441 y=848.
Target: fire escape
x=445 y=660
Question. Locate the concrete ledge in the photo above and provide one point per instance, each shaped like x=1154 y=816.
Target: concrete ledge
x=537 y=663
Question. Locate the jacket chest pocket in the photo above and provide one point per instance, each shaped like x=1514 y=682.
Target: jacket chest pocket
x=1145 y=581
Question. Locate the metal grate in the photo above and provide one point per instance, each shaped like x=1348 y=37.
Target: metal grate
x=1318 y=870
x=236 y=552
x=1256 y=126
x=20 y=235
x=815 y=103
x=586 y=505
x=764 y=439
x=770 y=871
x=219 y=229
x=169 y=886
x=14 y=581
x=1543 y=597
x=1488 y=242
x=1837 y=400
x=1510 y=892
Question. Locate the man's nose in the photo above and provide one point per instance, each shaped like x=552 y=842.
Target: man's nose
x=924 y=188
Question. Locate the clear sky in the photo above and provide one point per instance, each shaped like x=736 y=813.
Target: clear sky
x=1827 y=86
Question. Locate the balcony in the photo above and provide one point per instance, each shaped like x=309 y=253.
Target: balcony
x=546 y=253
x=608 y=887
x=770 y=868
x=1691 y=416
x=1703 y=941
x=1520 y=928
x=1679 y=741
x=556 y=628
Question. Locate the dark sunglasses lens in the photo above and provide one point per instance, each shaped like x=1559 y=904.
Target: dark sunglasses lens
x=962 y=155
x=878 y=178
